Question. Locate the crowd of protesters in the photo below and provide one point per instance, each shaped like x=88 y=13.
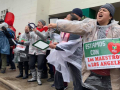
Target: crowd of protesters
x=64 y=58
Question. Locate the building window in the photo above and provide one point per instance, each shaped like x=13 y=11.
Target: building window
x=3 y=13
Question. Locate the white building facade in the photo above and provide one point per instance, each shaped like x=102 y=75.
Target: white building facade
x=32 y=10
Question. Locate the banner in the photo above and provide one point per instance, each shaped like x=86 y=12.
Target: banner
x=102 y=54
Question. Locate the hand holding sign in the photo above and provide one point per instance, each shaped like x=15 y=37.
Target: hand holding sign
x=52 y=45
x=55 y=43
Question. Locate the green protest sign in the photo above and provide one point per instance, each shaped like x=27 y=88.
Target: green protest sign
x=102 y=54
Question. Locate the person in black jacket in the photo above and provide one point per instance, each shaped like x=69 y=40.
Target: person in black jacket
x=10 y=57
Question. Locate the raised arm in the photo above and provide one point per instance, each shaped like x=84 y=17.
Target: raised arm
x=43 y=35
x=76 y=27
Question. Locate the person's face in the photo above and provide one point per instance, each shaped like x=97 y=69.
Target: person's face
x=26 y=29
x=77 y=16
x=103 y=16
x=39 y=25
x=68 y=17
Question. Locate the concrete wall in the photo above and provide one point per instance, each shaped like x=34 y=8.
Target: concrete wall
x=60 y=6
x=24 y=11
x=43 y=10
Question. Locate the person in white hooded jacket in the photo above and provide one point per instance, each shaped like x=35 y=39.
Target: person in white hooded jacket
x=37 y=55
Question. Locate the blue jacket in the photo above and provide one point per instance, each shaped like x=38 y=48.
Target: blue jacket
x=4 y=43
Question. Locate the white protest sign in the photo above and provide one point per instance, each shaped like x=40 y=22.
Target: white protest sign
x=21 y=47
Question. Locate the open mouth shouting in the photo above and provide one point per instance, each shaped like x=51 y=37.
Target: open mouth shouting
x=100 y=15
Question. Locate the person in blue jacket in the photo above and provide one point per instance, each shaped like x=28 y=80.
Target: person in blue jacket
x=4 y=44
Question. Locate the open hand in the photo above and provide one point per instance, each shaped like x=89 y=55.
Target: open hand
x=52 y=25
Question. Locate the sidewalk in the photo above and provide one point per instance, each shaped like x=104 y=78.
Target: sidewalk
x=22 y=84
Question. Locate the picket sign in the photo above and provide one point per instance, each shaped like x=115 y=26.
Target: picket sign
x=102 y=54
x=21 y=47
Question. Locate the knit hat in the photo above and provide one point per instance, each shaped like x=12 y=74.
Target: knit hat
x=77 y=11
x=110 y=8
x=43 y=22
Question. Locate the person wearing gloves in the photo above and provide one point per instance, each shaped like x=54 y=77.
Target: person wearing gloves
x=24 y=40
x=5 y=35
x=37 y=55
x=93 y=29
